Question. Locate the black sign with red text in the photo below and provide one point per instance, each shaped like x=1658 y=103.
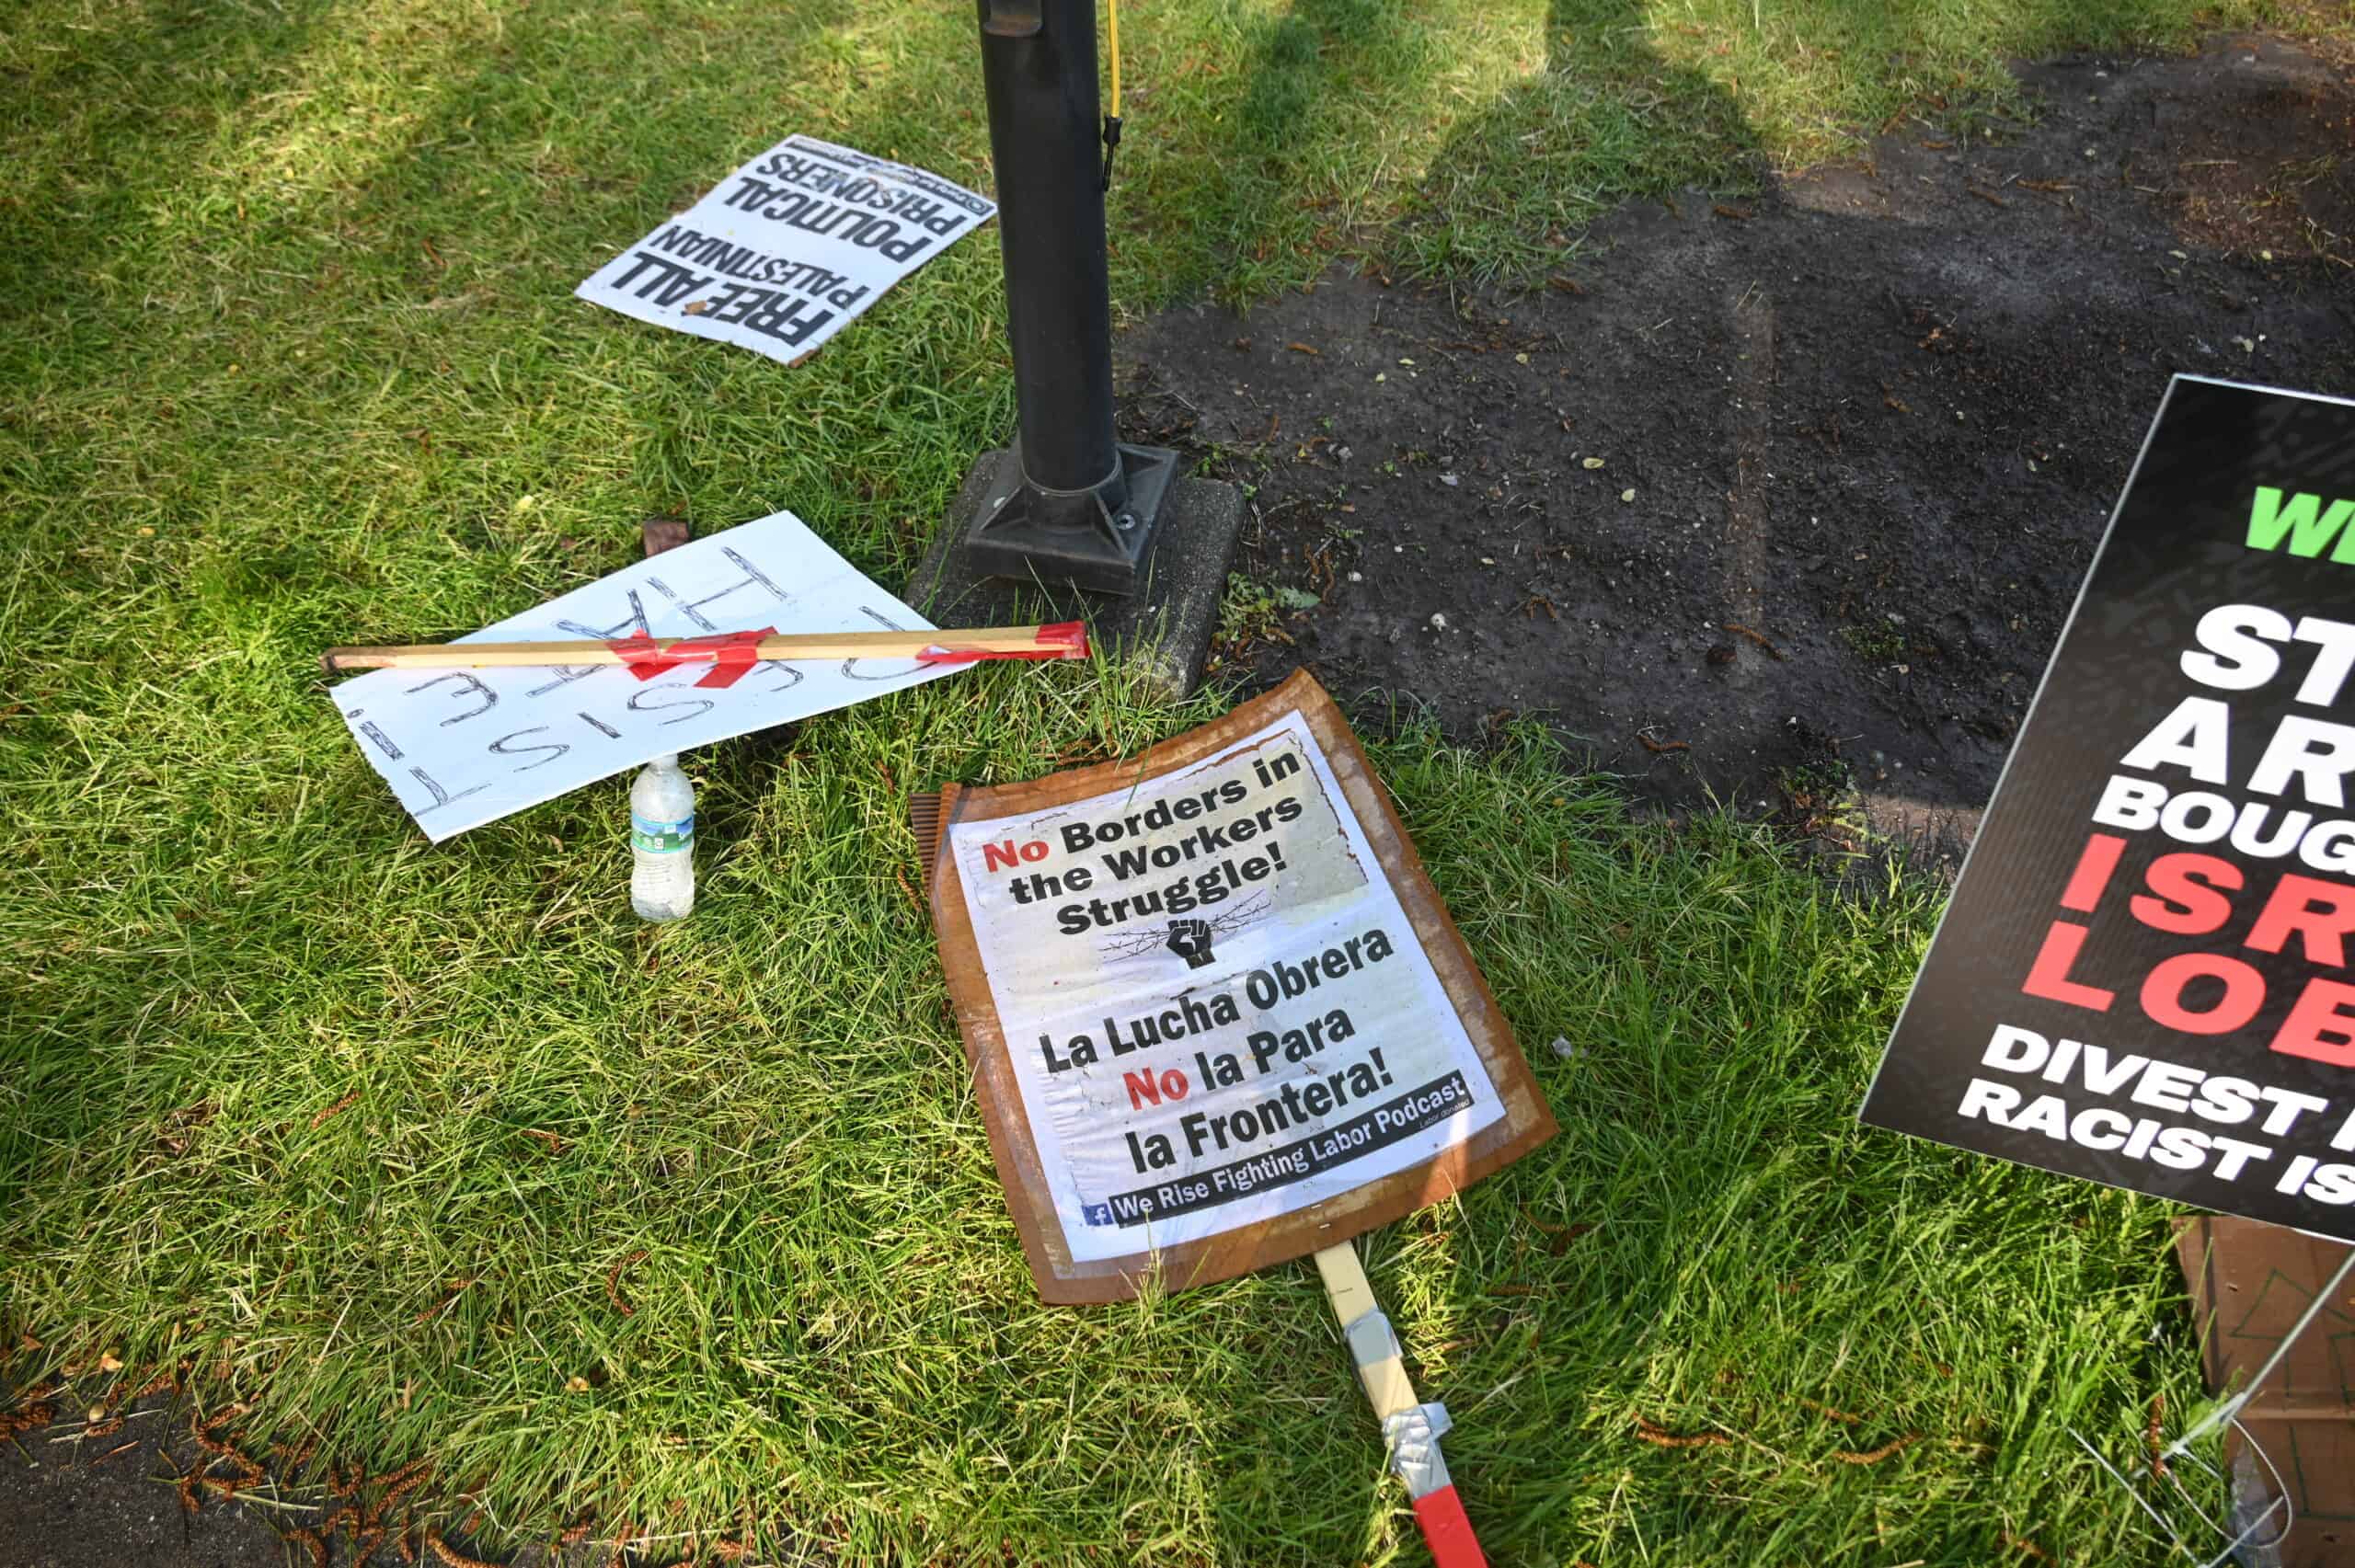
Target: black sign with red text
x=2144 y=977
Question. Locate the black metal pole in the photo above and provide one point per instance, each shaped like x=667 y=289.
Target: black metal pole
x=1071 y=505
x=1038 y=68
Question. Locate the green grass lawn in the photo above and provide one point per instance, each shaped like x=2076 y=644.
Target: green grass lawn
x=290 y=358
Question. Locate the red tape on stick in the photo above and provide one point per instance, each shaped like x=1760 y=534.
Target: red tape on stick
x=1448 y=1531
x=729 y=654
x=1065 y=639
x=732 y=657
x=641 y=655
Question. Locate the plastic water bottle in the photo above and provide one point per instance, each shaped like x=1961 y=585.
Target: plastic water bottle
x=662 y=842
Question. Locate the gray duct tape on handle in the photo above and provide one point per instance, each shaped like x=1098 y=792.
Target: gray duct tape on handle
x=1412 y=1430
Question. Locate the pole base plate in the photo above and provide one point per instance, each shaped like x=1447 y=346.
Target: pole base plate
x=1076 y=538
x=1165 y=621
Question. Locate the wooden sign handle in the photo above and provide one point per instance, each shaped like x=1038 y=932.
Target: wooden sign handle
x=1411 y=1427
x=950 y=645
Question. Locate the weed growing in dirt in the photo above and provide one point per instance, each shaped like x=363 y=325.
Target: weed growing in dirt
x=1874 y=642
x=1252 y=611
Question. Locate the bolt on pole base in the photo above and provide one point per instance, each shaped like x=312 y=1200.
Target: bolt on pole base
x=1094 y=539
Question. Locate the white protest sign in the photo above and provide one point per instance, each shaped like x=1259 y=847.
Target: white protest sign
x=463 y=746
x=788 y=249
x=1216 y=1009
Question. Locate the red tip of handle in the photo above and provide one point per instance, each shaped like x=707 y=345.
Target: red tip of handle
x=1069 y=636
x=1447 y=1531
x=1065 y=639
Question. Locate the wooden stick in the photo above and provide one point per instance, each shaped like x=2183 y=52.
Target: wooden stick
x=982 y=640
x=1446 y=1528
x=1388 y=1387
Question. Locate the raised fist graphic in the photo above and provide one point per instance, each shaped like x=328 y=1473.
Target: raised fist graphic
x=1190 y=940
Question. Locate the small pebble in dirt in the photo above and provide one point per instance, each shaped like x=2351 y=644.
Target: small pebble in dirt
x=1357 y=576
x=1721 y=652
x=1439 y=622
x=1450 y=480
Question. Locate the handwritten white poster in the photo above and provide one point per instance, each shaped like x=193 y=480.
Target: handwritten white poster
x=464 y=746
x=788 y=249
x=1216 y=1008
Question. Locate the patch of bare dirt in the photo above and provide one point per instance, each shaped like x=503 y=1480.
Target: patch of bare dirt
x=1782 y=501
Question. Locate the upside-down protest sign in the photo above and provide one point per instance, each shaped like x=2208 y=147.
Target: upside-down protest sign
x=1216 y=1012
x=787 y=250
x=2142 y=977
x=460 y=748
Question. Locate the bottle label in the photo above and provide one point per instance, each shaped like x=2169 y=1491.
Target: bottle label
x=650 y=837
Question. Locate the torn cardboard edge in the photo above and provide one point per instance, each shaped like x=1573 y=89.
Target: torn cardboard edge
x=2249 y=1283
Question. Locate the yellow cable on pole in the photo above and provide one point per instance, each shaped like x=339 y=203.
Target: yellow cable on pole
x=1112 y=41
x=1112 y=117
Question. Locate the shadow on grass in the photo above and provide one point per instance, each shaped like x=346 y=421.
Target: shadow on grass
x=1610 y=118
x=143 y=91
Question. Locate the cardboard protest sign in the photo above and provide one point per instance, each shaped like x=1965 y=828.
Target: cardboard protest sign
x=787 y=250
x=463 y=746
x=1216 y=1014
x=2143 y=975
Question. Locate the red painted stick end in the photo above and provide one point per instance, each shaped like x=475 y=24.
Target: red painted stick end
x=1063 y=639
x=1448 y=1531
